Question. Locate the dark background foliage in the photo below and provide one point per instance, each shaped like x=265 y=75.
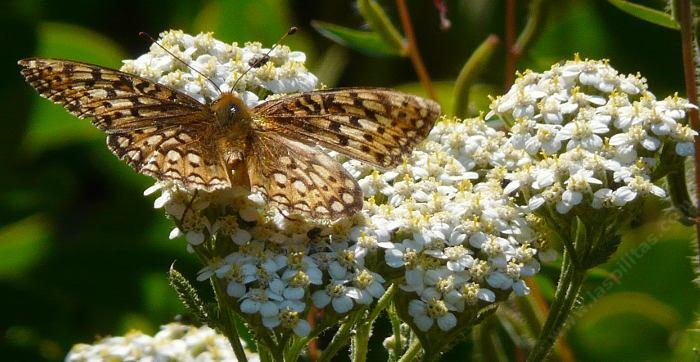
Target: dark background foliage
x=83 y=254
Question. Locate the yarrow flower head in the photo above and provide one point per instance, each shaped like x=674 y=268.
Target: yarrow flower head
x=460 y=241
x=174 y=342
x=224 y=64
x=591 y=137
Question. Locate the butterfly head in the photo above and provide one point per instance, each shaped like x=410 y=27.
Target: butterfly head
x=229 y=110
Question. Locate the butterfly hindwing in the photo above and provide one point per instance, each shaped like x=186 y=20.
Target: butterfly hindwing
x=298 y=178
x=374 y=125
x=171 y=154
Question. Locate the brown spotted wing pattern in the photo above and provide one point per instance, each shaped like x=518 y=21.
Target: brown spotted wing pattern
x=169 y=135
x=152 y=127
x=373 y=125
x=300 y=178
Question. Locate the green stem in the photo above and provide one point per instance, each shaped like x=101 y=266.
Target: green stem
x=360 y=342
x=264 y=353
x=364 y=330
x=488 y=344
x=396 y=330
x=298 y=345
x=227 y=324
x=515 y=48
x=379 y=22
x=685 y=15
x=382 y=304
x=228 y=321
x=341 y=337
x=565 y=296
x=471 y=69
x=412 y=351
x=531 y=28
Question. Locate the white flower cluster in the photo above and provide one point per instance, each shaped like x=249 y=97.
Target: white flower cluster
x=455 y=233
x=174 y=342
x=458 y=242
x=224 y=64
x=441 y=219
x=583 y=134
x=272 y=264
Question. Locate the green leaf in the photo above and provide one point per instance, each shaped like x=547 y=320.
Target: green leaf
x=631 y=302
x=687 y=347
x=23 y=244
x=379 y=22
x=331 y=65
x=188 y=295
x=49 y=125
x=366 y=42
x=471 y=70
x=648 y=14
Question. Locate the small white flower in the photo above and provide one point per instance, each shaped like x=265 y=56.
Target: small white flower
x=425 y=313
x=335 y=293
x=584 y=133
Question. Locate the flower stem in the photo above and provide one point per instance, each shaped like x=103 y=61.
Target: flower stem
x=228 y=324
x=689 y=66
x=341 y=336
x=412 y=351
x=488 y=345
x=570 y=282
x=514 y=48
x=471 y=69
x=396 y=330
x=360 y=342
x=228 y=321
x=264 y=353
x=511 y=57
x=412 y=50
x=382 y=304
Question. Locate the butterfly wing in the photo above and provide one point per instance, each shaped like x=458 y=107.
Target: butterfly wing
x=296 y=177
x=374 y=125
x=171 y=154
x=158 y=131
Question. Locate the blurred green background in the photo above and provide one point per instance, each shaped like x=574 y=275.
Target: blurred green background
x=83 y=253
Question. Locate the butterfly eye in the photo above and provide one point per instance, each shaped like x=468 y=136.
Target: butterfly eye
x=233 y=109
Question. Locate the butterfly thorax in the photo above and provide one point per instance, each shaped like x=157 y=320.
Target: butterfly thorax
x=231 y=112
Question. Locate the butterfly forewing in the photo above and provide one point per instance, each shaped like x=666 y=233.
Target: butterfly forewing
x=374 y=125
x=299 y=178
x=115 y=100
x=157 y=130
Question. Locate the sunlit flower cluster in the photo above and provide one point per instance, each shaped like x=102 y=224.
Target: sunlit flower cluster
x=224 y=64
x=441 y=219
x=456 y=235
x=441 y=216
x=271 y=264
x=584 y=134
x=174 y=342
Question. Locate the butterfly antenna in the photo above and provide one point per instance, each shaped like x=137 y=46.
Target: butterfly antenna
x=146 y=35
x=265 y=56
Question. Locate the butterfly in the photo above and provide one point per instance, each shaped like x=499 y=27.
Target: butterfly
x=166 y=134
